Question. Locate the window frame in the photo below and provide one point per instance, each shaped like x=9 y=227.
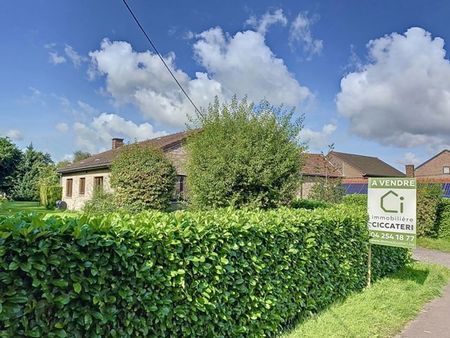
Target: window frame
x=444 y=170
x=101 y=184
x=82 y=185
x=69 y=187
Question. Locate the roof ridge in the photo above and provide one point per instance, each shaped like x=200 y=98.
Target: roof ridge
x=432 y=158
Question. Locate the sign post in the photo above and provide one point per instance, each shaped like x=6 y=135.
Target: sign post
x=391 y=206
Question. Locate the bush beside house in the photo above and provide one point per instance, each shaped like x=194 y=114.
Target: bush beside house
x=209 y=274
x=143 y=178
x=245 y=156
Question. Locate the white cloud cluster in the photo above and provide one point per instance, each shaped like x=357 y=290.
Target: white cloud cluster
x=96 y=136
x=15 y=135
x=70 y=53
x=73 y=56
x=242 y=64
x=268 y=19
x=401 y=96
x=317 y=140
x=300 y=32
x=409 y=158
x=62 y=127
x=55 y=58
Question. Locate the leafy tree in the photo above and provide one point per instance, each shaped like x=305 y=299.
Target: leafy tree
x=80 y=155
x=29 y=171
x=10 y=157
x=142 y=178
x=245 y=155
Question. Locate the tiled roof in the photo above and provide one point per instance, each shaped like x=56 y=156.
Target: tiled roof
x=369 y=166
x=318 y=165
x=104 y=159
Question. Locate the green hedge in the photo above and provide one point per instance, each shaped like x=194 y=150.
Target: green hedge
x=443 y=218
x=355 y=199
x=309 y=204
x=49 y=194
x=429 y=196
x=213 y=274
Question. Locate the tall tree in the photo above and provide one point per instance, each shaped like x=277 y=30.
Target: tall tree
x=80 y=155
x=245 y=155
x=29 y=171
x=10 y=157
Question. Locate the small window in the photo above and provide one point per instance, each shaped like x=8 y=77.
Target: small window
x=69 y=186
x=98 y=182
x=446 y=170
x=82 y=187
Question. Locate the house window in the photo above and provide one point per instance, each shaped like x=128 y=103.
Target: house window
x=446 y=170
x=180 y=187
x=69 y=186
x=82 y=186
x=98 y=182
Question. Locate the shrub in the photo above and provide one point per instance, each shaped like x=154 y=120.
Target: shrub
x=48 y=195
x=101 y=203
x=309 y=204
x=355 y=200
x=142 y=178
x=212 y=274
x=443 y=218
x=245 y=156
x=428 y=198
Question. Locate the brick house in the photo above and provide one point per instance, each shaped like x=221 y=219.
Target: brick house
x=80 y=179
x=436 y=168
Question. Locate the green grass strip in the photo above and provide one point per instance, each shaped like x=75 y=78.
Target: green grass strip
x=441 y=244
x=381 y=311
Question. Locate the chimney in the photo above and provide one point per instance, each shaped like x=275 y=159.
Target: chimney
x=117 y=143
x=409 y=170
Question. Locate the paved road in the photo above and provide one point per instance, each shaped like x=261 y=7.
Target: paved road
x=434 y=320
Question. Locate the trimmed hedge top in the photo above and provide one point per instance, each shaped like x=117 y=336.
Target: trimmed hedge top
x=210 y=274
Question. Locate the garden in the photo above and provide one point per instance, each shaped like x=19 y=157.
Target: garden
x=244 y=258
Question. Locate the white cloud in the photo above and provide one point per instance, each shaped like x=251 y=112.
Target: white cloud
x=73 y=56
x=268 y=19
x=401 y=96
x=409 y=158
x=96 y=136
x=55 y=58
x=300 y=32
x=244 y=65
x=14 y=134
x=317 y=140
x=241 y=64
x=140 y=78
x=62 y=127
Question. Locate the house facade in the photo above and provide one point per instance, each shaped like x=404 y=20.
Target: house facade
x=79 y=180
x=436 y=168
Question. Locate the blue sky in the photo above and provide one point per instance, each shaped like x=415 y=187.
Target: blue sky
x=371 y=77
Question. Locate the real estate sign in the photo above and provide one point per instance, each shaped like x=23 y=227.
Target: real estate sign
x=392 y=211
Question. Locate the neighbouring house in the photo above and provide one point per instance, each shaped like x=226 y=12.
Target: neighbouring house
x=80 y=179
x=316 y=167
x=434 y=170
x=356 y=169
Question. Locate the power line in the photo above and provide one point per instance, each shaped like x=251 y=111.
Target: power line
x=160 y=57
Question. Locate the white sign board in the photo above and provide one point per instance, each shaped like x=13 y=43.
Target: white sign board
x=392 y=211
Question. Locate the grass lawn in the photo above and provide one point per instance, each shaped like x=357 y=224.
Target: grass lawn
x=381 y=311
x=442 y=244
x=12 y=207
